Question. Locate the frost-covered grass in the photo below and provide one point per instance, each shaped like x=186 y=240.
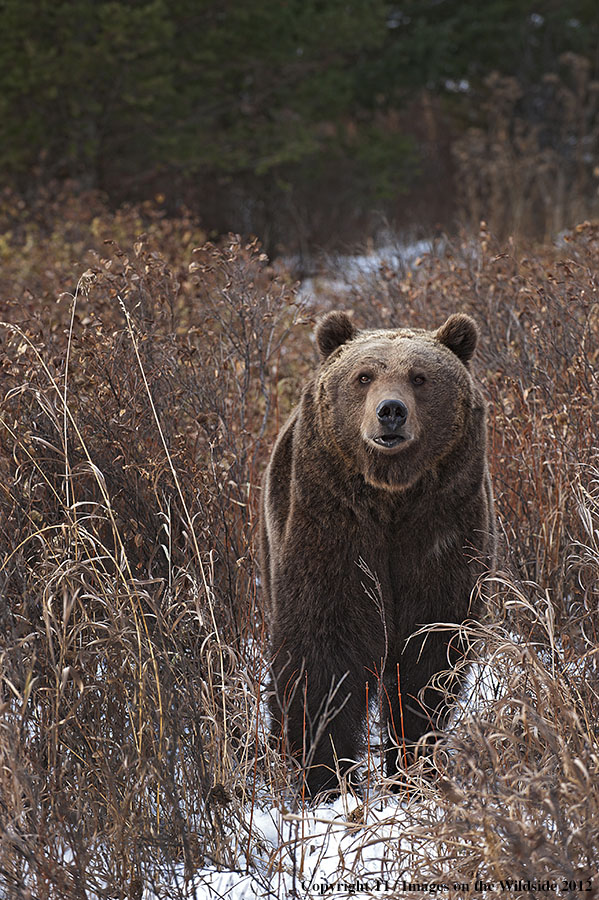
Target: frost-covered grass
x=136 y=417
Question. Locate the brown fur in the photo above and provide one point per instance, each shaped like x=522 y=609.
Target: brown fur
x=419 y=515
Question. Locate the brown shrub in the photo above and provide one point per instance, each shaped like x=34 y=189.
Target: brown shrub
x=134 y=423
x=135 y=419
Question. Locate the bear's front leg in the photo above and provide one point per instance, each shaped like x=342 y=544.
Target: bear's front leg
x=317 y=711
x=417 y=706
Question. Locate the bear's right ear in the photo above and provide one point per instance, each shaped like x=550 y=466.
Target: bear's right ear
x=333 y=330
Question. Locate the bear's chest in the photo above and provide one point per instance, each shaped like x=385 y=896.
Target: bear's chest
x=412 y=532
x=411 y=559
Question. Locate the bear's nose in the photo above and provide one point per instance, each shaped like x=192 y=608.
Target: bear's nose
x=392 y=413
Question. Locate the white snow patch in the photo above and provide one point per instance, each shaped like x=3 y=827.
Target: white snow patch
x=342 y=272
x=342 y=849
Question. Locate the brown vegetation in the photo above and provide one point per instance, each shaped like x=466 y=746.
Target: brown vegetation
x=136 y=415
x=527 y=173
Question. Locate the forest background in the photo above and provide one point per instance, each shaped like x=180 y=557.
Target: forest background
x=309 y=123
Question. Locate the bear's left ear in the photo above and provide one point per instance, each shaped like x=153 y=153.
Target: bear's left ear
x=333 y=330
x=460 y=334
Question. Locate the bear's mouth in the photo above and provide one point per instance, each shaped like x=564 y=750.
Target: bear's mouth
x=389 y=440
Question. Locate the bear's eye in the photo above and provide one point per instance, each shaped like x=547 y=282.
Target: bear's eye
x=364 y=378
x=418 y=379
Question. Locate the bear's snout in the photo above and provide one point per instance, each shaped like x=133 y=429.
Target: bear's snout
x=392 y=414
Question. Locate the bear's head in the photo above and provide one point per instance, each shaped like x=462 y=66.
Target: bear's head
x=394 y=402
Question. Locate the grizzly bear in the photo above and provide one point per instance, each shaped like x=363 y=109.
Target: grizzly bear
x=382 y=466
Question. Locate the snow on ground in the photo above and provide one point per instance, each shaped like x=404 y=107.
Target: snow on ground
x=330 y=849
x=342 y=271
x=348 y=848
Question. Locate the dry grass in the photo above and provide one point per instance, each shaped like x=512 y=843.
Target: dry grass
x=136 y=416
